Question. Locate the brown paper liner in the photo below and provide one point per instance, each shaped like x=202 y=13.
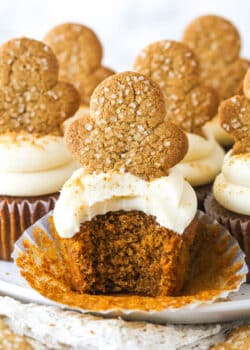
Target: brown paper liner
x=201 y=193
x=217 y=270
x=17 y=214
x=238 y=225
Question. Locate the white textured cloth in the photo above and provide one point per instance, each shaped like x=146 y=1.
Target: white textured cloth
x=59 y=329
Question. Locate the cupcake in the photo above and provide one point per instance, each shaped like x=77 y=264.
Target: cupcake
x=216 y=42
x=229 y=203
x=115 y=219
x=34 y=162
x=189 y=104
x=79 y=53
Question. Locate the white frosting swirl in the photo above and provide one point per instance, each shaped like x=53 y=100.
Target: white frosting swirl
x=214 y=128
x=32 y=165
x=170 y=199
x=232 y=187
x=203 y=160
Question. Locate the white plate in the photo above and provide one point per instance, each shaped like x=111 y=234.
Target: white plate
x=13 y=285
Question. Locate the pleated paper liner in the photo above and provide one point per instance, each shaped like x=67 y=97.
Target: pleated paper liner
x=218 y=269
x=17 y=214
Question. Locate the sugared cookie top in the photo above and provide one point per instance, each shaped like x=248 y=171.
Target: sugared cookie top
x=235 y=118
x=175 y=68
x=79 y=53
x=31 y=97
x=126 y=130
x=216 y=42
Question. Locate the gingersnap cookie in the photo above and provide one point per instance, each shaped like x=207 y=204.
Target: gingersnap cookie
x=31 y=96
x=34 y=160
x=216 y=42
x=79 y=52
x=235 y=118
x=126 y=130
x=189 y=103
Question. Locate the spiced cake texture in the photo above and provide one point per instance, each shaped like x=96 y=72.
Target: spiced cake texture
x=128 y=252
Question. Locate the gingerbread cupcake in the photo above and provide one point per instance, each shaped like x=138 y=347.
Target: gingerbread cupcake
x=34 y=162
x=230 y=203
x=116 y=220
x=189 y=104
x=217 y=43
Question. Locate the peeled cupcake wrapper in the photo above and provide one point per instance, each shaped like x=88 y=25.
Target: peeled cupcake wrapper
x=218 y=269
x=16 y=214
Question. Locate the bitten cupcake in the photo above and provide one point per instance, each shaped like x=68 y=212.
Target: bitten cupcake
x=79 y=53
x=116 y=223
x=34 y=162
x=189 y=104
x=230 y=202
x=217 y=43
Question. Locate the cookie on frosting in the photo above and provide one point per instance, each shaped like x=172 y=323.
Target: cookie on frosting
x=31 y=97
x=216 y=42
x=126 y=130
x=235 y=118
x=79 y=53
x=175 y=68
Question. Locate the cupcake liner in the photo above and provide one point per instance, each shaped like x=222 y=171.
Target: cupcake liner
x=16 y=214
x=218 y=269
x=201 y=193
x=238 y=225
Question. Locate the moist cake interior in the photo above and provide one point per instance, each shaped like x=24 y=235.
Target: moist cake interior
x=127 y=252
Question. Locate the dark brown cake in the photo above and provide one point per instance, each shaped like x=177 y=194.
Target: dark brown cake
x=128 y=252
x=17 y=214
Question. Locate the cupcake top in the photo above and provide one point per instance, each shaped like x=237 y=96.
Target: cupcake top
x=34 y=104
x=127 y=150
x=232 y=186
x=79 y=52
x=189 y=104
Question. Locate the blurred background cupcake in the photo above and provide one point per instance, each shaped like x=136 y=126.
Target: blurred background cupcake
x=34 y=163
x=230 y=202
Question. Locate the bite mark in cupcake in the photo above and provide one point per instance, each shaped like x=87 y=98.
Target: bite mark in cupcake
x=116 y=220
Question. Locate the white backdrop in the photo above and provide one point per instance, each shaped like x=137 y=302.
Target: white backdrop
x=124 y=26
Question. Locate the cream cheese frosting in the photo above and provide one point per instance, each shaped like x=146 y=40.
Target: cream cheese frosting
x=170 y=199
x=214 y=128
x=32 y=165
x=203 y=160
x=232 y=186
